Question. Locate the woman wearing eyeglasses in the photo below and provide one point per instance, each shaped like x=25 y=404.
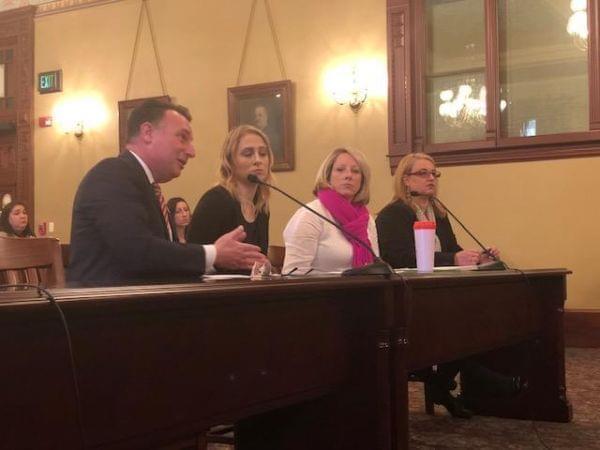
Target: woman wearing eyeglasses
x=415 y=182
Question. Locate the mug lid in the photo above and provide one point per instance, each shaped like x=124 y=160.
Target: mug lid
x=424 y=225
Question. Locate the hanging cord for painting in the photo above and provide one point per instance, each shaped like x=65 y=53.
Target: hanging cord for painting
x=145 y=8
x=273 y=36
x=42 y=292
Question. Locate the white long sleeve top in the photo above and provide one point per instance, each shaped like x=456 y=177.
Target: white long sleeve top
x=312 y=243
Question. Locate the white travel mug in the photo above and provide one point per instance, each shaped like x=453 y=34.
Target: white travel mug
x=424 y=245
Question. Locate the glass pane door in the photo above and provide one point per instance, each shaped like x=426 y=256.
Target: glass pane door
x=455 y=71
x=543 y=67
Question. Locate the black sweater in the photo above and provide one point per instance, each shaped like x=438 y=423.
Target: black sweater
x=397 y=239
x=218 y=213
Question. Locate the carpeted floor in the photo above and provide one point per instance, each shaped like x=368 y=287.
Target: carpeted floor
x=444 y=432
x=583 y=389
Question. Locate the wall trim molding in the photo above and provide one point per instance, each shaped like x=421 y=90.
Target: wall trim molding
x=582 y=328
x=60 y=6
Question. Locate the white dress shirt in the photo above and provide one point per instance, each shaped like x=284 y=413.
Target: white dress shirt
x=312 y=243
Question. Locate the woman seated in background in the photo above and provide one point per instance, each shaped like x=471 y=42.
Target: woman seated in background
x=415 y=183
x=179 y=218
x=14 y=221
x=342 y=191
x=236 y=201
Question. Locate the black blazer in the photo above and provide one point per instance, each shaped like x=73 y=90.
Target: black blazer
x=118 y=234
x=217 y=213
x=397 y=239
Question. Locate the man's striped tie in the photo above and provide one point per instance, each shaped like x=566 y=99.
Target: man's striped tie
x=163 y=208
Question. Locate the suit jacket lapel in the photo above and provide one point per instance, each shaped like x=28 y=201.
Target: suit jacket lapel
x=150 y=197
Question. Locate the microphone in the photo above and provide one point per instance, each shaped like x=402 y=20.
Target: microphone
x=497 y=264
x=378 y=267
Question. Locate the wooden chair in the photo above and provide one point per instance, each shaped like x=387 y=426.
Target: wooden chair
x=66 y=254
x=31 y=260
x=276 y=255
x=422 y=376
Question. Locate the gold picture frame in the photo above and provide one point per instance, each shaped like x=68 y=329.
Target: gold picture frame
x=269 y=107
x=125 y=108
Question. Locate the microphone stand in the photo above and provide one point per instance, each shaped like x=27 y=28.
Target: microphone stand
x=377 y=267
x=496 y=264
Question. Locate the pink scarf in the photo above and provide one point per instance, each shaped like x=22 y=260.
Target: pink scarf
x=353 y=218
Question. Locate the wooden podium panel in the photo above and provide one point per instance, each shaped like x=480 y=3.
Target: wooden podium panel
x=159 y=363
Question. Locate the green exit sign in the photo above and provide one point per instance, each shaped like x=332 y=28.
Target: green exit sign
x=50 y=81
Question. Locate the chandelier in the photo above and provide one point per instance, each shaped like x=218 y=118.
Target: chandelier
x=577 y=26
x=462 y=108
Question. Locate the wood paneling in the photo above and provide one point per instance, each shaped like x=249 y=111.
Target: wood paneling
x=16 y=141
x=582 y=328
x=594 y=65
x=399 y=93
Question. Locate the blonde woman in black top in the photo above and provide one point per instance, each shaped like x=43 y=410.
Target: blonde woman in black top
x=415 y=182
x=235 y=201
x=417 y=174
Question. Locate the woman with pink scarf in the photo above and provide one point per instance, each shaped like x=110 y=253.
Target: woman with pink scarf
x=342 y=191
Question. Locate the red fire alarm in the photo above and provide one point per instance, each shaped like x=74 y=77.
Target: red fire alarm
x=45 y=121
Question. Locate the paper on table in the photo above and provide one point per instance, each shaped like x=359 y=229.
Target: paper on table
x=225 y=276
x=443 y=268
x=439 y=268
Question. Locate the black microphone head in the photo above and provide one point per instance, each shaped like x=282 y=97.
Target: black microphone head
x=253 y=178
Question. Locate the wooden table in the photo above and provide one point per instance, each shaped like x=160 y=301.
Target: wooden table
x=157 y=364
x=318 y=363
x=509 y=321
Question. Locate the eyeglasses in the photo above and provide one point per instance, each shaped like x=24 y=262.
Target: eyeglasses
x=425 y=173
x=294 y=270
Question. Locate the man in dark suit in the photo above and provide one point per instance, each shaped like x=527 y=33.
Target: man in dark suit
x=118 y=232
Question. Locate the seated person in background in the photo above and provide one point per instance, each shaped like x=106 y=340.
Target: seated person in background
x=342 y=191
x=179 y=218
x=120 y=231
x=235 y=201
x=14 y=221
x=417 y=174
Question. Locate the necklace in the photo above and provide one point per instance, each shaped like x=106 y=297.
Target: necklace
x=248 y=210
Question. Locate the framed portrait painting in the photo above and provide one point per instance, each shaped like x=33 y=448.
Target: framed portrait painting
x=267 y=106
x=125 y=108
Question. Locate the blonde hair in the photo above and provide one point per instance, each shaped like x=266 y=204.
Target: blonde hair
x=226 y=168
x=324 y=173
x=401 y=192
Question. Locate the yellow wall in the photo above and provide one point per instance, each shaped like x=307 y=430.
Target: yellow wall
x=540 y=214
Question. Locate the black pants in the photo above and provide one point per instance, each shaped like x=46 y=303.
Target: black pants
x=475 y=378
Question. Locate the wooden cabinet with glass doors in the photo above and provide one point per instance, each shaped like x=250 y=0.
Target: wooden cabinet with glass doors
x=493 y=80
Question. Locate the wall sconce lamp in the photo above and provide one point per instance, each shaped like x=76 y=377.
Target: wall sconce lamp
x=80 y=115
x=78 y=129
x=348 y=88
x=71 y=125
